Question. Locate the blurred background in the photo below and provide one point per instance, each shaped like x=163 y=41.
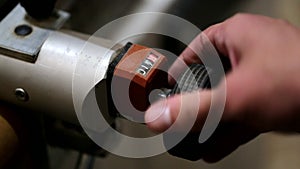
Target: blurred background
x=268 y=151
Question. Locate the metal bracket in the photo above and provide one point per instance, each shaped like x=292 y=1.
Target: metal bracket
x=22 y=37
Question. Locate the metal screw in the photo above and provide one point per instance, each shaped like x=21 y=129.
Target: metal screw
x=21 y=94
x=23 y=30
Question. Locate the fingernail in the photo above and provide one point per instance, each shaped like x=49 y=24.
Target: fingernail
x=158 y=116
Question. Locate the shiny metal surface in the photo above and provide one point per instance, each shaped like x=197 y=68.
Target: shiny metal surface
x=26 y=46
x=49 y=80
x=21 y=94
x=20 y=47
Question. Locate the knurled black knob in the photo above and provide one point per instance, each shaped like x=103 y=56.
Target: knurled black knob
x=194 y=78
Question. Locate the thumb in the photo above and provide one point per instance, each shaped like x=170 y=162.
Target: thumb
x=194 y=109
x=179 y=111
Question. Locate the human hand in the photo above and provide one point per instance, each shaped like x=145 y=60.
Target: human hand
x=262 y=88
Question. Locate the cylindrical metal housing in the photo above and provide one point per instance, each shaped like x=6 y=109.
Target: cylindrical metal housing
x=48 y=81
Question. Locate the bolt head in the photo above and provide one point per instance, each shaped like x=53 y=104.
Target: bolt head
x=21 y=94
x=23 y=30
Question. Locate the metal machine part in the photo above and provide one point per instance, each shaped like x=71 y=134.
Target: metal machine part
x=46 y=84
x=22 y=39
x=138 y=70
x=48 y=81
x=197 y=77
x=6 y=6
x=38 y=64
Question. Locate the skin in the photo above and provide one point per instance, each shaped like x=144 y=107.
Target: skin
x=9 y=140
x=262 y=88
